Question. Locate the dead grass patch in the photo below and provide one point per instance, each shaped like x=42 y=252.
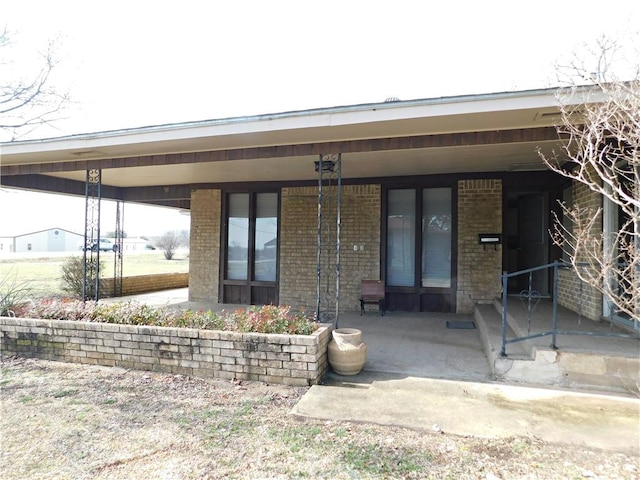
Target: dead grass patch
x=76 y=421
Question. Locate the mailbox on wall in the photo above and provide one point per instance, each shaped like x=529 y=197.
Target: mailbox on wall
x=485 y=239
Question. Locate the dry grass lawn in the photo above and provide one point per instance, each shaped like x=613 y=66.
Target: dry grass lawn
x=42 y=273
x=65 y=421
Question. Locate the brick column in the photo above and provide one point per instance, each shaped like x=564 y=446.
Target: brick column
x=479 y=269
x=574 y=294
x=204 y=251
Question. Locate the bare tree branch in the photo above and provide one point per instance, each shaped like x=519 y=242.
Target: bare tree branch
x=28 y=104
x=602 y=125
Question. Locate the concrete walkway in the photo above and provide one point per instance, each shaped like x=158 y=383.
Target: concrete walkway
x=422 y=375
x=483 y=410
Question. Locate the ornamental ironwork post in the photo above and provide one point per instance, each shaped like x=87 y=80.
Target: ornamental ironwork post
x=329 y=168
x=91 y=247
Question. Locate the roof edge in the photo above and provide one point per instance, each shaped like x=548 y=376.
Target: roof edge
x=297 y=113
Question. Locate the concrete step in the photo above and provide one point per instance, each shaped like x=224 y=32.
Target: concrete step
x=532 y=362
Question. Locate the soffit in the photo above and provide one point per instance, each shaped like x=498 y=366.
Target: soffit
x=473 y=158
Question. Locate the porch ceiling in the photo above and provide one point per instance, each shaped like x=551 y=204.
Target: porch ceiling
x=390 y=163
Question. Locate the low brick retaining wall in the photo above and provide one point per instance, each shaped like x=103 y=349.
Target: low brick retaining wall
x=285 y=359
x=147 y=283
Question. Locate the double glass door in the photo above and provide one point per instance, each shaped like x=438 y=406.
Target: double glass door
x=419 y=249
x=251 y=249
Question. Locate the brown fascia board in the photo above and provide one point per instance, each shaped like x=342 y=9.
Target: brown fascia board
x=379 y=144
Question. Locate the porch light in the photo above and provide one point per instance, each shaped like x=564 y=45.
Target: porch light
x=327 y=165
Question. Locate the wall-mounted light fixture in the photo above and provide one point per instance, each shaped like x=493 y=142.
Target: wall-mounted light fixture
x=494 y=239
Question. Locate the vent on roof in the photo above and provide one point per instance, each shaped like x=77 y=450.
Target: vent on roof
x=391 y=99
x=528 y=167
x=85 y=153
x=555 y=115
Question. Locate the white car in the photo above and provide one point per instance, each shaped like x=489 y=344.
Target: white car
x=103 y=244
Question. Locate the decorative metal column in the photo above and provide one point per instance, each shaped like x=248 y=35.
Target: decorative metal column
x=91 y=265
x=329 y=168
x=119 y=248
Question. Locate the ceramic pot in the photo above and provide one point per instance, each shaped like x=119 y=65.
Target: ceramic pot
x=347 y=352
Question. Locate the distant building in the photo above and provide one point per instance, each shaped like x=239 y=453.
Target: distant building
x=50 y=240
x=6 y=244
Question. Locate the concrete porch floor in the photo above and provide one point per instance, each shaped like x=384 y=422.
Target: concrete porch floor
x=420 y=345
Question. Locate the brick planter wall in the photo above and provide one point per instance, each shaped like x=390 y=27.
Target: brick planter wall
x=285 y=359
x=147 y=283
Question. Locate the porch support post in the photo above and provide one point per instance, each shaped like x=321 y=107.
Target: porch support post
x=118 y=252
x=555 y=305
x=91 y=247
x=505 y=278
x=329 y=171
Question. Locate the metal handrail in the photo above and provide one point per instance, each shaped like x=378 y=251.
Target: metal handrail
x=554 y=332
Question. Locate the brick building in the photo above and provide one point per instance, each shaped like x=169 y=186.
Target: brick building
x=421 y=181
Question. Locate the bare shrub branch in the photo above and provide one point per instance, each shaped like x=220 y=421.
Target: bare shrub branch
x=601 y=124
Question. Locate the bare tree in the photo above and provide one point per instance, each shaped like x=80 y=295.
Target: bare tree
x=601 y=124
x=168 y=243
x=27 y=103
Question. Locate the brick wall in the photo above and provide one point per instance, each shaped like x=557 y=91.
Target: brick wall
x=147 y=283
x=572 y=293
x=360 y=226
x=204 y=250
x=479 y=269
x=285 y=359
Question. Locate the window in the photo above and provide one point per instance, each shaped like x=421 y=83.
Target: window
x=430 y=244
x=266 y=237
x=436 y=237
x=252 y=236
x=238 y=236
x=401 y=227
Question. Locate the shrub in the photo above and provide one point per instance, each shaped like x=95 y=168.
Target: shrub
x=62 y=309
x=14 y=295
x=73 y=274
x=259 y=319
x=168 y=243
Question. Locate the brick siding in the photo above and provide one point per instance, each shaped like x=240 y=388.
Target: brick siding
x=360 y=226
x=572 y=293
x=479 y=269
x=204 y=249
x=284 y=359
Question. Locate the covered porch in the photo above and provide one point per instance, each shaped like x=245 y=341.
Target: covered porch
x=423 y=344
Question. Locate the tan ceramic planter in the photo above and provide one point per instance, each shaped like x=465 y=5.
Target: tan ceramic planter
x=347 y=352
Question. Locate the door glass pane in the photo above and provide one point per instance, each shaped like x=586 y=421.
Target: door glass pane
x=436 y=237
x=401 y=235
x=266 y=237
x=238 y=236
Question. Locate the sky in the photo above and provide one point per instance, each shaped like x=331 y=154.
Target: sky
x=137 y=63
